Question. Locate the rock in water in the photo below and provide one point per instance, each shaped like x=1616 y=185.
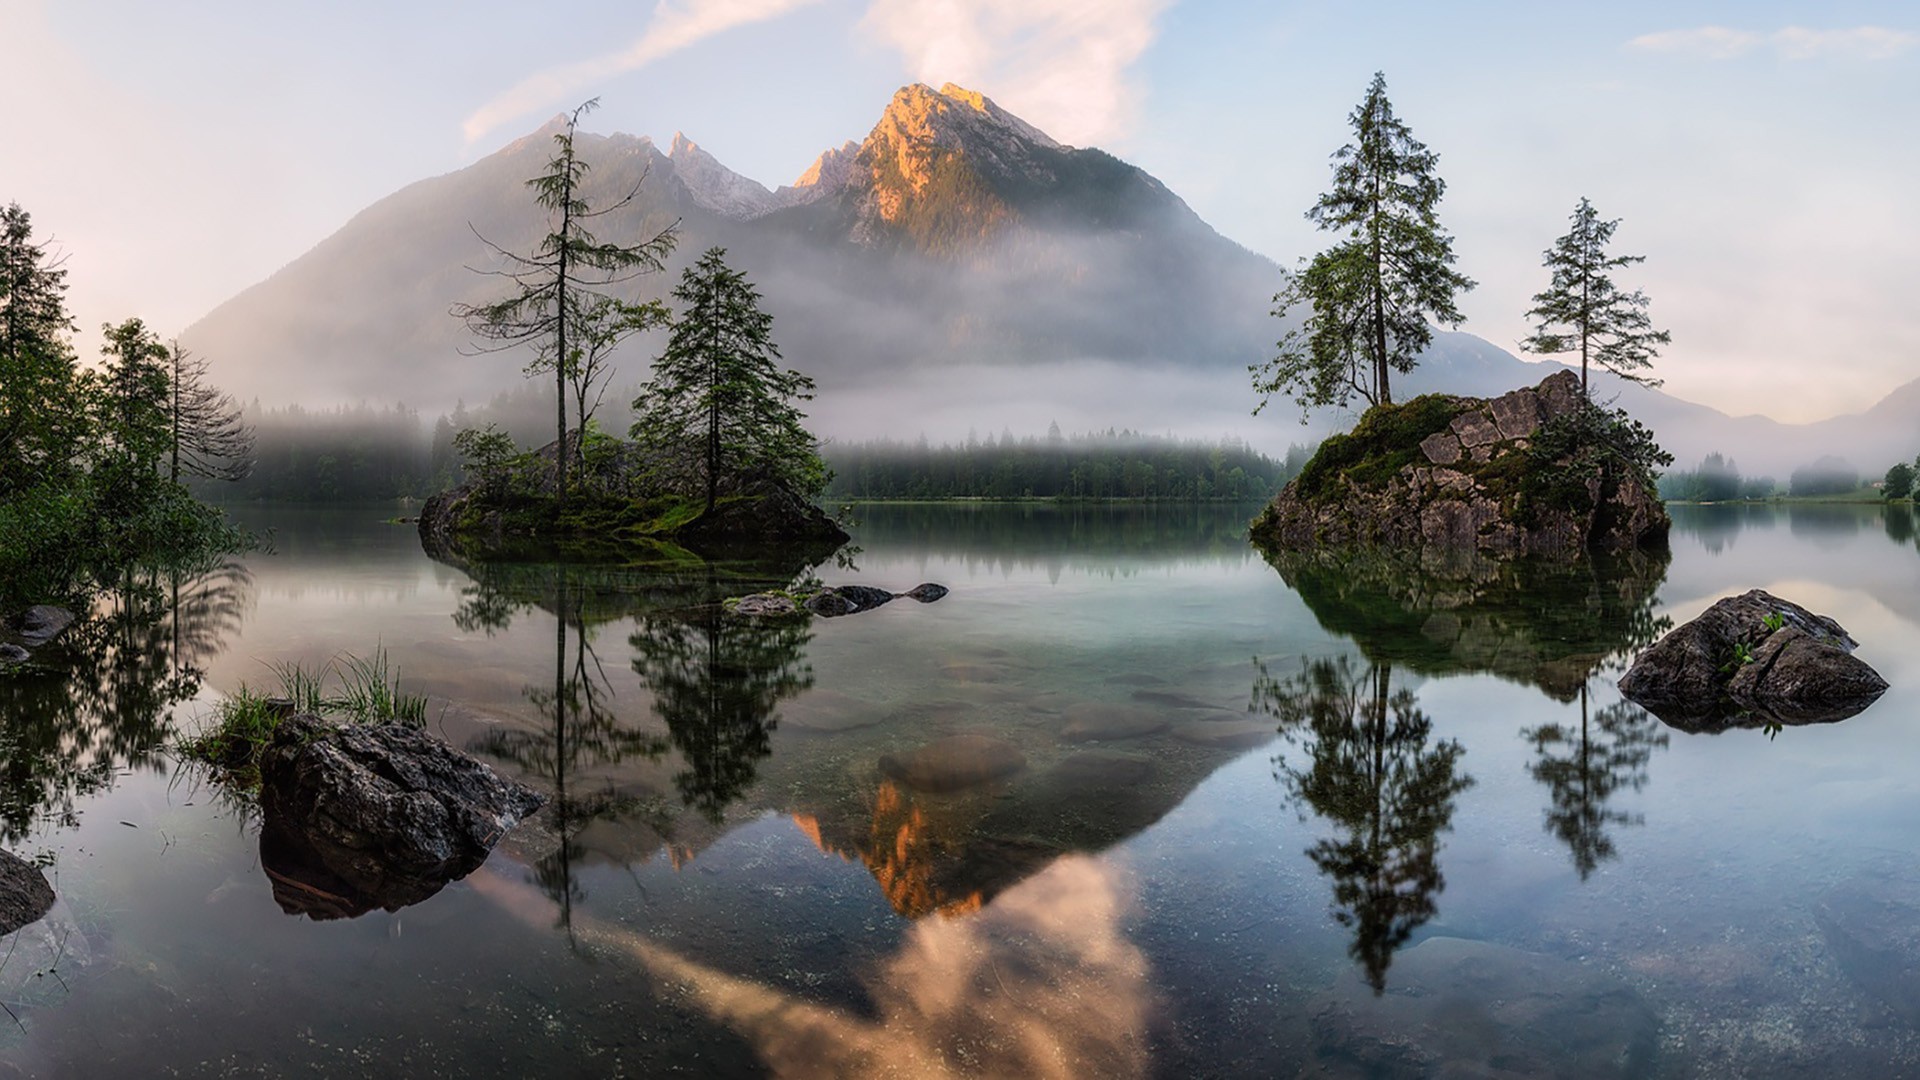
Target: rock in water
x=1459 y=1008
x=379 y=815
x=24 y=893
x=926 y=592
x=955 y=763
x=1730 y=668
x=864 y=597
x=42 y=623
x=13 y=654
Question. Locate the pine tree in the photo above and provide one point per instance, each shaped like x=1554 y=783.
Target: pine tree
x=133 y=413
x=560 y=279
x=1581 y=309
x=719 y=393
x=42 y=421
x=210 y=439
x=1369 y=296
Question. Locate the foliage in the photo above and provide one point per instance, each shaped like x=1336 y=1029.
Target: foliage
x=1584 y=767
x=558 y=285
x=245 y=722
x=1369 y=297
x=719 y=393
x=1581 y=309
x=1827 y=476
x=1110 y=465
x=210 y=437
x=1716 y=480
x=42 y=416
x=486 y=452
x=1899 y=482
x=1569 y=451
x=1386 y=439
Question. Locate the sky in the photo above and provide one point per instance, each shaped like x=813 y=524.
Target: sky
x=1760 y=155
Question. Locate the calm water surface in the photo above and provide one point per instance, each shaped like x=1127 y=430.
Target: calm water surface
x=1208 y=816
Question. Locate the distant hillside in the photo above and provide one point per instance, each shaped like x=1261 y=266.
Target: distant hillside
x=957 y=267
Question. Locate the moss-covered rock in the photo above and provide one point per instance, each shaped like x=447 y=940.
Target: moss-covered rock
x=627 y=497
x=1463 y=472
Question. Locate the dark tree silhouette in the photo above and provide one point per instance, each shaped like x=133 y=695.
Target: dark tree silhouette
x=1373 y=771
x=1583 y=768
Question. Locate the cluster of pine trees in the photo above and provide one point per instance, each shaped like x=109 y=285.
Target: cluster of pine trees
x=1717 y=479
x=92 y=460
x=1109 y=465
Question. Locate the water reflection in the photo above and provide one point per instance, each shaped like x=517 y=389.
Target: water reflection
x=1374 y=771
x=1899 y=523
x=1584 y=768
x=101 y=698
x=1550 y=624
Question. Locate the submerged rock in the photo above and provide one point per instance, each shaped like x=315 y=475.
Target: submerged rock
x=13 y=654
x=1459 y=1008
x=1100 y=721
x=1872 y=928
x=1750 y=660
x=382 y=815
x=955 y=763
x=926 y=592
x=830 y=601
x=24 y=893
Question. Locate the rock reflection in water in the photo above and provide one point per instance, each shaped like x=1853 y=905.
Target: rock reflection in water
x=1042 y=982
x=1550 y=624
x=1373 y=770
x=1584 y=768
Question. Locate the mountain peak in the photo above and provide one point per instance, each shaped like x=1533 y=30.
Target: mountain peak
x=715 y=187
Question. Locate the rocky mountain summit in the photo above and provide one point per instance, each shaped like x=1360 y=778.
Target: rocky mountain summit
x=1464 y=473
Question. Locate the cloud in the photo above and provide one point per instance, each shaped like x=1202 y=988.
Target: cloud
x=1061 y=64
x=1790 y=43
x=674 y=26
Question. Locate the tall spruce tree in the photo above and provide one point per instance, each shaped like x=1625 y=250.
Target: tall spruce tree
x=133 y=413
x=1369 y=297
x=558 y=281
x=42 y=421
x=1582 y=310
x=719 y=394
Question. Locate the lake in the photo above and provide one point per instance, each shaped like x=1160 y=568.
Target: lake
x=1131 y=800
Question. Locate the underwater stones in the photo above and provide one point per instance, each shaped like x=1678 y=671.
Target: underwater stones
x=827 y=712
x=954 y=763
x=1100 y=721
x=24 y=893
x=1749 y=660
x=1097 y=770
x=376 y=815
x=1460 y=1008
x=1171 y=699
x=1872 y=928
x=1225 y=734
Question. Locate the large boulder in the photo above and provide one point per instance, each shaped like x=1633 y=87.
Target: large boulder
x=376 y=815
x=1752 y=660
x=40 y=624
x=1450 y=472
x=24 y=893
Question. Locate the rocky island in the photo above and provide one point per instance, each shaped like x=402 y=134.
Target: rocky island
x=1536 y=471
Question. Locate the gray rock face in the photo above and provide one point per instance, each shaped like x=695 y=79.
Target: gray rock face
x=1466 y=489
x=763 y=605
x=926 y=592
x=42 y=623
x=862 y=597
x=1458 y=1008
x=364 y=816
x=24 y=893
x=12 y=654
x=1728 y=668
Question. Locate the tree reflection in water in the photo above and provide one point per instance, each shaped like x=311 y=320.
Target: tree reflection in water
x=716 y=681
x=1584 y=768
x=101 y=698
x=1373 y=770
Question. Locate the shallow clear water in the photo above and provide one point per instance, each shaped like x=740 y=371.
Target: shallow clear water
x=1339 y=817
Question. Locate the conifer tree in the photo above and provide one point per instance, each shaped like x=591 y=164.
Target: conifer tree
x=210 y=439
x=558 y=281
x=719 y=393
x=1368 y=297
x=1582 y=310
x=42 y=425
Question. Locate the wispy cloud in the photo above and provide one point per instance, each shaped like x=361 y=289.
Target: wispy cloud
x=1061 y=64
x=1791 y=43
x=674 y=26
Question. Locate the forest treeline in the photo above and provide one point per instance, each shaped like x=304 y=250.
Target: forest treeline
x=1102 y=465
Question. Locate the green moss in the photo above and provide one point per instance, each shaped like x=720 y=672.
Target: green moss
x=1386 y=440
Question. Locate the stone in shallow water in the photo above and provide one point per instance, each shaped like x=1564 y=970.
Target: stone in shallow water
x=955 y=763
x=1172 y=699
x=1872 y=927
x=1232 y=734
x=926 y=592
x=42 y=623
x=828 y=712
x=1097 y=770
x=1098 y=721
x=24 y=892
x=1459 y=1008
x=12 y=654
